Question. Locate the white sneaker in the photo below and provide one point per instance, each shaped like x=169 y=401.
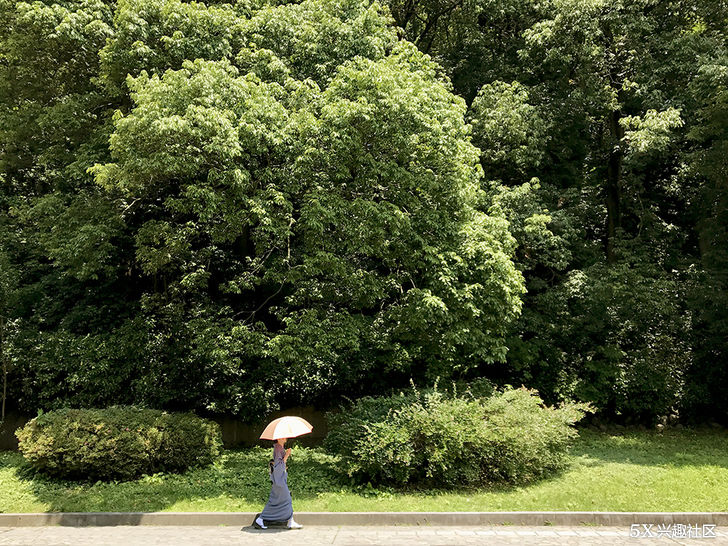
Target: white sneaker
x=259 y=523
x=293 y=525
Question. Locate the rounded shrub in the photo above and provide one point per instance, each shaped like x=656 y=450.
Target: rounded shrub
x=120 y=442
x=444 y=439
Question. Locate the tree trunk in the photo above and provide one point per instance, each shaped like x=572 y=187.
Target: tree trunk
x=616 y=132
x=5 y=390
x=5 y=367
x=614 y=179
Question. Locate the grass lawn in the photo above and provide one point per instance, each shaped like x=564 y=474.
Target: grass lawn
x=678 y=470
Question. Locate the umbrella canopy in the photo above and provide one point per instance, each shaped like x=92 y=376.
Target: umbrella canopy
x=286 y=427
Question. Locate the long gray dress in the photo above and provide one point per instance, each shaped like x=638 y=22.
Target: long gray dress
x=280 y=505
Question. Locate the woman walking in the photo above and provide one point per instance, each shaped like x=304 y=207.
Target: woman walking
x=280 y=505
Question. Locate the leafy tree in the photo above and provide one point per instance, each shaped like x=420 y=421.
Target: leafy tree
x=336 y=228
x=708 y=208
x=52 y=117
x=477 y=42
x=274 y=203
x=588 y=140
x=284 y=202
x=8 y=324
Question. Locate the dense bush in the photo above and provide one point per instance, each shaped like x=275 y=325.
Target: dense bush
x=121 y=442
x=616 y=336
x=448 y=439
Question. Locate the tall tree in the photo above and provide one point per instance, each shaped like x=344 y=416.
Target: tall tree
x=601 y=115
x=285 y=206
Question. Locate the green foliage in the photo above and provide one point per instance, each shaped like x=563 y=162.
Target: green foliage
x=354 y=205
x=269 y=187
x=52 y=118
x=628 y=330
x=447 y=440
x=155 y=35
x=544 y=237
x=288 y=202
x=347 y=425
x=8 y=325
x=615 y=89
x=476 y=42
x=121 y=442
x=651 y=132
x=682 y=470
x=509 y=131
x=706 y=379
x=708 y=280
x=311 y=39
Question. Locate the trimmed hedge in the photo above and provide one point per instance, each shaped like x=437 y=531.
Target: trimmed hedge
x=447 y=440
x=121 y=442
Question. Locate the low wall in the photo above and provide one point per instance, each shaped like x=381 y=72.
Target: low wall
x=237 y=434
x=12 y=422
x=234 y=432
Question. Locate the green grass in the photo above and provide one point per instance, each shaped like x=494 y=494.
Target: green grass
x=679 y=470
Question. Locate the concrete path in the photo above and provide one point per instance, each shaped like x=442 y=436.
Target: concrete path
x=312 y=535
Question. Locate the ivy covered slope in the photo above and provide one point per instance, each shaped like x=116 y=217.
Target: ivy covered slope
x=227 y=207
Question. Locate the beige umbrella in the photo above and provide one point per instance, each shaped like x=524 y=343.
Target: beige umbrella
x=286 y=427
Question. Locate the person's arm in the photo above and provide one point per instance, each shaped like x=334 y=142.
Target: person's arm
x=278 y=475
x=286 y=454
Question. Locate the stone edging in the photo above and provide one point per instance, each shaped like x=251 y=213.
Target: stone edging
x=614 y=519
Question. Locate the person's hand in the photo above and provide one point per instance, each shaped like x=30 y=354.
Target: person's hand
x=288 y=452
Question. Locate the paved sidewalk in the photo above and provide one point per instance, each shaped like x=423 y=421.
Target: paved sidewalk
x=313 y=535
